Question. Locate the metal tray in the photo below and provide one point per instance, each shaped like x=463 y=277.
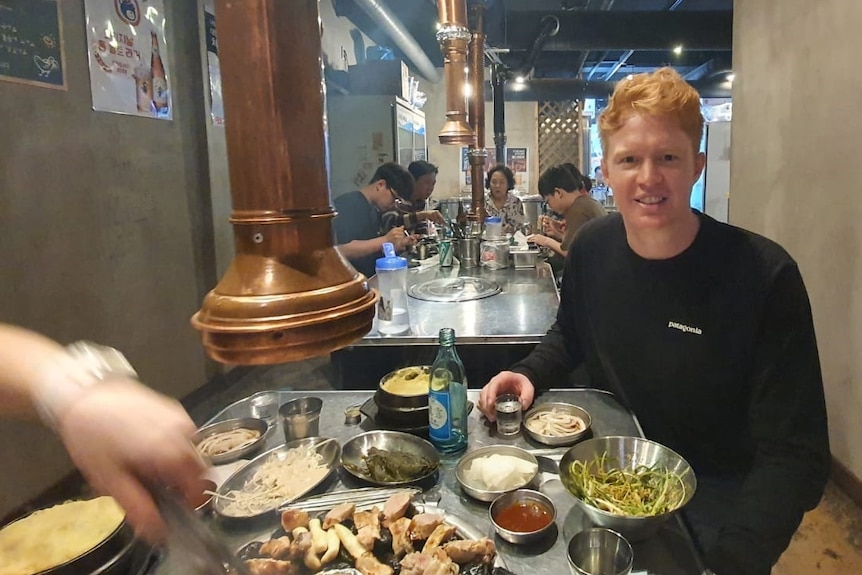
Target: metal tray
x=464 y=529
x=327 y=447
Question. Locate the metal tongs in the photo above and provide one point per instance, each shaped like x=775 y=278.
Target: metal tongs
x=189 y=533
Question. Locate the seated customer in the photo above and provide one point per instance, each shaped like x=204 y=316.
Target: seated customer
x=501 y=202
x=702 y=329
x=562 y=188
x=414 y=215
x=358 y=220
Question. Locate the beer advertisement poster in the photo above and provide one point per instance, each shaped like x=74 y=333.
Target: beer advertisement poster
x=516 y=160
x=128 y=56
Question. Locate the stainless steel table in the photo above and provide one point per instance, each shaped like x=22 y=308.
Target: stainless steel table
x=520 y=314
x=670 y=552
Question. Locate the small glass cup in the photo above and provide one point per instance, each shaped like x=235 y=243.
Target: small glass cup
x=264 y=405
x=509 y=416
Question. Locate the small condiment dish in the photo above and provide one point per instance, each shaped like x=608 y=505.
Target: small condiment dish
x=202 y=497
x=522 y=516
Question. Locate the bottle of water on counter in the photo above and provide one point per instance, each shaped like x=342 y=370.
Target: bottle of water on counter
x=392 y=315
x=447 y=397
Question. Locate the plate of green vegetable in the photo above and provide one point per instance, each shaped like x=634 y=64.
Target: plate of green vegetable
x=389 y=458
x=628 y=484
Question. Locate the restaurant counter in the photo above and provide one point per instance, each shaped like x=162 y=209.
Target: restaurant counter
x=520 y=314
x=669 y=552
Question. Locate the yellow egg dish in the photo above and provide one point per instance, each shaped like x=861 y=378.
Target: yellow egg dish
x=53 y=536
x=408 y=381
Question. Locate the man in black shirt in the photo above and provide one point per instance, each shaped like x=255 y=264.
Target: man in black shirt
x=704 y=330
x=357 y=224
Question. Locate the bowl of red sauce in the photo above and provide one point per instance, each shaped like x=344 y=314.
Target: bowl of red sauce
x=522 y=516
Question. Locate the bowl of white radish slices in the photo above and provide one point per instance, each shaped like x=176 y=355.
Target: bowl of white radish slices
x=557 y=423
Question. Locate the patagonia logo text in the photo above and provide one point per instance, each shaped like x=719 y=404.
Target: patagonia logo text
x=685 y=328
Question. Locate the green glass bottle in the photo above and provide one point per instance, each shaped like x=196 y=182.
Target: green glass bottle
x=447 y=397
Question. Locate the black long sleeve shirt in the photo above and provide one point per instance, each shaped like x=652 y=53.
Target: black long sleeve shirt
x=714 y=351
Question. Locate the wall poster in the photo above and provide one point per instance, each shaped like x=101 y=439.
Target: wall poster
x=31 y=43
x=128 y=56
x=216 y=103
x=516 y=160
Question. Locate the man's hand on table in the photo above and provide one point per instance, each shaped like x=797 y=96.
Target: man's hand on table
x=505 y=382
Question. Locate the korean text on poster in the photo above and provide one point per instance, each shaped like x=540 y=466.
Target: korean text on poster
x=129 y=70
x=31 y=43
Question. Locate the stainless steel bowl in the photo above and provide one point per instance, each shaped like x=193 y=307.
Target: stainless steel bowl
x=357 y=448
x=628 y=453
x=229 y=425
x=599 y=550
x=566 y=408
x=521 y=496
x=477 y=491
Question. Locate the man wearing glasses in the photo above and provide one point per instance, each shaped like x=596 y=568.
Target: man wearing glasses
x=414 y=214
x=358 y=230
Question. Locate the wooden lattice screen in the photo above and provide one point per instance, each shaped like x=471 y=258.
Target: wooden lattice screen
x=559 y=133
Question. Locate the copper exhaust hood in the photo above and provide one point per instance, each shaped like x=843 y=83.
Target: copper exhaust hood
x=454 y=36
x=288 y=294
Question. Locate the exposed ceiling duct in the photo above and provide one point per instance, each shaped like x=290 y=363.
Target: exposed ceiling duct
x=288 y=294
x=550 y=28
x=575 y=89
x=396 y=30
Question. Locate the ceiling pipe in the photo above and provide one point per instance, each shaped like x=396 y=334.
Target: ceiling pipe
x=550 y=28
x=288 y=294
x=498 y=91
x=396 y=30
x=618 y=64
x=582 y=57
x=477 y=152
x=454 y=37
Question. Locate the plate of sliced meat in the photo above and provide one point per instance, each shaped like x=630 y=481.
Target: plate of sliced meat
x=400 y=537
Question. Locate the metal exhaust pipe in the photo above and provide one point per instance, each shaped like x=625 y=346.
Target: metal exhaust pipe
x=477 y=153
x=454 y=37
x=288 y=294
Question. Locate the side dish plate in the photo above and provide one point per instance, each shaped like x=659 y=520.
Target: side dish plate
x=329 y=449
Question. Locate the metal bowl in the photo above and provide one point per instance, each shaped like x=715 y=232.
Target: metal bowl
x=476 y=491
x=521 y=496
x=629 y=453
x=328 y=448
x=229 y=425
x=200 y=500
x=566 y=408
x=357 y=448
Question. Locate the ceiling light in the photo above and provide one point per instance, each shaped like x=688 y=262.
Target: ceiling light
x=730 y=77
x=677 y=49
x=519 y=79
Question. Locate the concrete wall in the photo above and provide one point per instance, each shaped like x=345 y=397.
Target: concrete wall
x=795 y=174
x=105 y=230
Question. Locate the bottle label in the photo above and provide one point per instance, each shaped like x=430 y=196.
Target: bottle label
x=439 y=422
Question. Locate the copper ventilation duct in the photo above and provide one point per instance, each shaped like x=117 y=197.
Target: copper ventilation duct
x=288 y=294
x=454 y=36
x=477 y=152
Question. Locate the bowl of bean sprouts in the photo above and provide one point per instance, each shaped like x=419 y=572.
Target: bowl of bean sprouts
x=557 y=423
x=230 y=439
x=629 y=484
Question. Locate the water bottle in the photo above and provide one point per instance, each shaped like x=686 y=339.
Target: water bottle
x=447 y=397
x=392 y=316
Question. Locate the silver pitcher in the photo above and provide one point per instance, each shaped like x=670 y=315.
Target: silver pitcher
x=467 y=252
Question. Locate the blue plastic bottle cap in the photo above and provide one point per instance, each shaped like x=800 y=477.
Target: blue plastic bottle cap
x=390 y=261
x=493 y=220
